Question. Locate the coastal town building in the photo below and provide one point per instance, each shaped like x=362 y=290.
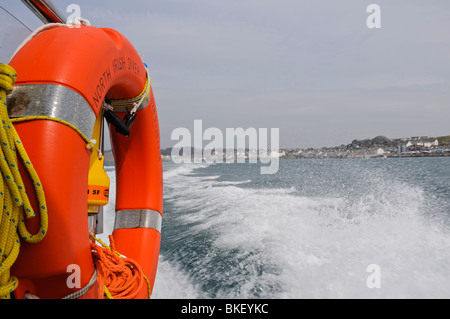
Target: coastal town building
x=423 y=143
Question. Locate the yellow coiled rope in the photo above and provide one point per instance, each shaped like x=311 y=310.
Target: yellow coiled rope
x=13 y=196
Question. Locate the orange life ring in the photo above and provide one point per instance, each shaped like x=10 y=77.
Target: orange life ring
x=65 y=73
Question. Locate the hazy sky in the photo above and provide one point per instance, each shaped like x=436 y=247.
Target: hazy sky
x=313 y=69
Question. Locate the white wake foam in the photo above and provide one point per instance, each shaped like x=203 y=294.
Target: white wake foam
x=305 y=247
x=321 y=246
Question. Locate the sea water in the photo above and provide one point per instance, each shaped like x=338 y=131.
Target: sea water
x=313 y=230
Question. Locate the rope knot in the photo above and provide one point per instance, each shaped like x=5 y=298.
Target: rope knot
x=8 y=77
x=119 y=277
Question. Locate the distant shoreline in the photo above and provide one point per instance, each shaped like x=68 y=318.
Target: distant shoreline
x=368 y=156
x=377 y=147
x=109 y=159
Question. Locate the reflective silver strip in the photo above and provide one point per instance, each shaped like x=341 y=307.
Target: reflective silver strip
x=139 y=218
x=52 y=100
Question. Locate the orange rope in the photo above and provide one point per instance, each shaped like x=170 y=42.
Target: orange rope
x=118 y=277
